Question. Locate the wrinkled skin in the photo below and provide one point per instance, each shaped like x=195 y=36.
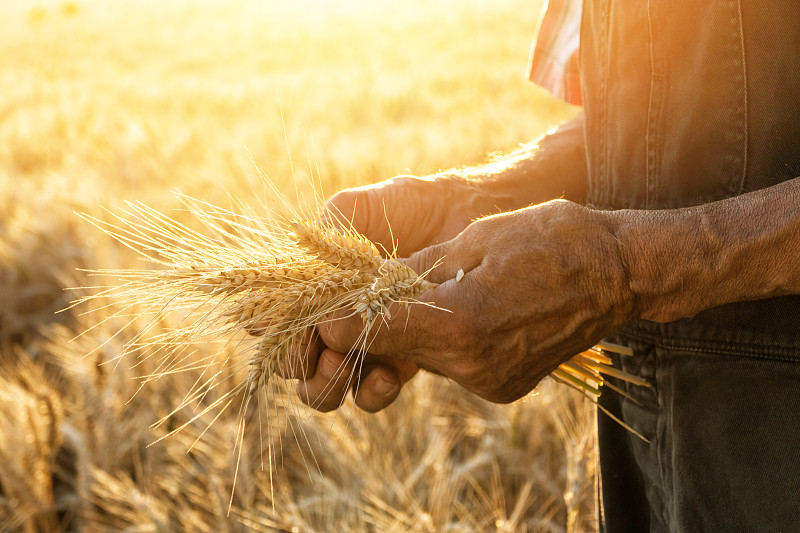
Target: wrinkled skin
x=413 y=213
x=540 y=285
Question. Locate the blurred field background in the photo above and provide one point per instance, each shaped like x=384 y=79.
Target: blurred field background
x=103 y=102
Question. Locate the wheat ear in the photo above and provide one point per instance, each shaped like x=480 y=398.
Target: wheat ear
x=345 y=249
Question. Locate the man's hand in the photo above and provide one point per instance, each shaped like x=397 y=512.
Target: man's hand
x=416 y=213
x=326 y=376
x=541 y=284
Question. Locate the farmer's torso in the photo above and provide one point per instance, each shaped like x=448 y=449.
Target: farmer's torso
x=689 y=102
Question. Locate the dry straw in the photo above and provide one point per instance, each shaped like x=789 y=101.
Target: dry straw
x=258 y=286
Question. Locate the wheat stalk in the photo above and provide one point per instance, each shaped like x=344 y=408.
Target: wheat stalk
x=296 y=274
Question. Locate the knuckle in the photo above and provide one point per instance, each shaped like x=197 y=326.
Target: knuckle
x=338 y=333
x=343 y=197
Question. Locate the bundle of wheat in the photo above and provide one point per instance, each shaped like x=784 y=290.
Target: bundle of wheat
x=275 y=277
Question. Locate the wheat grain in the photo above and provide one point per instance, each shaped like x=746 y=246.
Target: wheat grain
x=301 y=288
x=399 y=284
x=281 y=280
x=345 y=249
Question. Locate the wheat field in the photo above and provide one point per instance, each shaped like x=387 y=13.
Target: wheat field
x=107 y=102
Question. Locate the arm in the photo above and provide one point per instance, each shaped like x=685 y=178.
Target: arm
x=545 y=282
x=551 y=167
x=739 y=249
x=429 y=210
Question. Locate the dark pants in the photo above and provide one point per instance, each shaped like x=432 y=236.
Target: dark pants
x=723 y=421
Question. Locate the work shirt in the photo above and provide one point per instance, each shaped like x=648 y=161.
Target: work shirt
x=685 y=103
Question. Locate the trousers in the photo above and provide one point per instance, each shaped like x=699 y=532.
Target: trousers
x=723 y=425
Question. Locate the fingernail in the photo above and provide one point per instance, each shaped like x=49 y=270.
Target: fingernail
x=383 y=387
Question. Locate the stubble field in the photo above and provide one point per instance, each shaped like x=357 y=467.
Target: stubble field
x=106 y=102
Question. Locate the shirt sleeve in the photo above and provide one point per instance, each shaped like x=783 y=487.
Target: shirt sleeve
x=554 y=62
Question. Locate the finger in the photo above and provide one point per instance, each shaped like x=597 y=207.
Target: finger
x=441 y=262
x=410 y=327
x=401 y=334
x=326 y=389
x=380 y=384
x=302 y=360
x=371 y=211
x=352 y=209
x=340 y=209
x=408 y=331
x=378 y=388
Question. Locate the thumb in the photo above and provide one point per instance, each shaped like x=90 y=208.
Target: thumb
x=341 y=209
x=441 y=262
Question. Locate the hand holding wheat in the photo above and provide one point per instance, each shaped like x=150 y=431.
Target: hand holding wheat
x=311 y=284
x=541 y=285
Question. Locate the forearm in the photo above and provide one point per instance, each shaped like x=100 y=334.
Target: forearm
x=551 y=167
x=683 y=261
x=411 y=213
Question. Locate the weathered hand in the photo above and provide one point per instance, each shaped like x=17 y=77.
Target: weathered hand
x=427 y=211
x=414 y=212
x=541 y=284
